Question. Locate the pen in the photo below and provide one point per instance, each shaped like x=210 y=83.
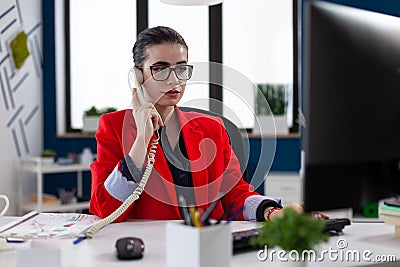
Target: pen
x=208 y=211
x=79 y=239
x=235 y=214
x=226 y=213
x=186 y=215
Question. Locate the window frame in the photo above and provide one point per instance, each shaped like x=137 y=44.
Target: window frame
x=215 y=55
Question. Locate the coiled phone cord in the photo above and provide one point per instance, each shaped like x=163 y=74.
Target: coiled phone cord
x=132 y=198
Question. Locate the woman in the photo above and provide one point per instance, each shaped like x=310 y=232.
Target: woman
x=193 y=158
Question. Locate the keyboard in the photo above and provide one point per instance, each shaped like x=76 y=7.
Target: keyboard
x=241 y=239
x=335 y=226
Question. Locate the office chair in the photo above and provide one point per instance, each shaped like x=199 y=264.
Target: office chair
x=235 y=137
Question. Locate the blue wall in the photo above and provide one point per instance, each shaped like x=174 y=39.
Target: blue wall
x=287 y=156
x=50 y=139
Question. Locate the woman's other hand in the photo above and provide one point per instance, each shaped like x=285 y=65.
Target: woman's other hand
x=295 y=206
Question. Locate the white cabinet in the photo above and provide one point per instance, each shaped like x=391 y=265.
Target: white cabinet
x=284 y=185
x=34 y=165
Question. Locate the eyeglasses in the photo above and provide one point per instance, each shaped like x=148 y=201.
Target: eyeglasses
x=162 y=73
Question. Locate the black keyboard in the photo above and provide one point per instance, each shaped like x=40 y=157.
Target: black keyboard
x=335 y=226
x=241 y=239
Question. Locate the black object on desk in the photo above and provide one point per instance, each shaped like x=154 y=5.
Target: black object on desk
x=335 y=226
x=129 y=248
x=241 y=239
x=393 y=203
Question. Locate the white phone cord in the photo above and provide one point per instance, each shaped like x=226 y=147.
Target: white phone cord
x=132 y=198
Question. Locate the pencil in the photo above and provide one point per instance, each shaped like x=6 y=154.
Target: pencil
x=195 y=215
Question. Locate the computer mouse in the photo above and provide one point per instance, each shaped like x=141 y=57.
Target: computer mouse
x=129 y=248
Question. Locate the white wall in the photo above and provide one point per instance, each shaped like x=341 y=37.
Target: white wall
x=21 y=120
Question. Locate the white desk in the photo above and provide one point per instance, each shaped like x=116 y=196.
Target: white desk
x=100 y=251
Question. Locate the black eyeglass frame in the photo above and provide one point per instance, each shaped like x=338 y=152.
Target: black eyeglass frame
x=170 y=70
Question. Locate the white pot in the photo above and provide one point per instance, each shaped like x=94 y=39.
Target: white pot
x=266 y=124
x=90 y=124
x=48 y=160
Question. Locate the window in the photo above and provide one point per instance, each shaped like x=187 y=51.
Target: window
x=102 y=34
x=192 y=23
x=258 y=44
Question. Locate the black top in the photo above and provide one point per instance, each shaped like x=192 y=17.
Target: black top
x=179 y=166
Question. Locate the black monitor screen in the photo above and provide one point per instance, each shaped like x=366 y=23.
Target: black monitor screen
x=352 y=106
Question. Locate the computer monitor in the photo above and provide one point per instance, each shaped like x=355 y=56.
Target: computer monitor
x=352 y=107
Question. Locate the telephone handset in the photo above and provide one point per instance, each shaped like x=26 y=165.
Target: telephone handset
x=135 y=75
x=135 y=80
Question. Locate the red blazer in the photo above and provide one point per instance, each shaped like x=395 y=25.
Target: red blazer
x=214 y=168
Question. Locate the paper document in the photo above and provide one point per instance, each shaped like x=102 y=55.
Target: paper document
x=48 y=225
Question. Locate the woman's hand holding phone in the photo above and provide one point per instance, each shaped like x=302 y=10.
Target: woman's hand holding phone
x=147 y=121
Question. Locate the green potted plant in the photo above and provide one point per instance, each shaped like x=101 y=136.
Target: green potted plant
x=48 y=156
x=294 y=235
x=271 y=103
x=91 y=118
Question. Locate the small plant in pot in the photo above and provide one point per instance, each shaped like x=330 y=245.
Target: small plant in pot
x=271 y=102
x=294 y=233
x=48 y=156
x=91 y=118
x=92 y=111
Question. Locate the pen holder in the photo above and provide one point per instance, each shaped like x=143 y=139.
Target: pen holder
x=206 y=246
